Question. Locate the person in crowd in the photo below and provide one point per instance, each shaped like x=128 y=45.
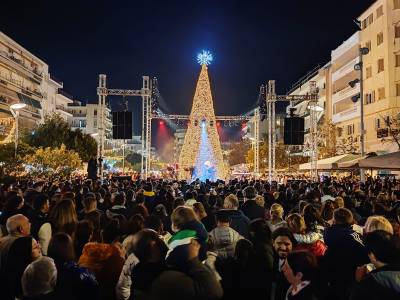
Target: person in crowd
x=276 y=217
x=41 y=207
x=344 y=254
x=105 y=259
x=14 y=259
x=311 y=241
x=135 y=224
x=149 y=197
x=146 y=260
x=207 y=220
x=381 y=279
x=73 y=282
x=224 y=237
x=12 y=206
x=155 y=223
x=250 y=207
x=374 y=223
x=118 y=208
x=184 y=269
x=39 y=280
x=83 y=235
x=300 y=270
x=283 y=243
x=89 y=203
x=239 y=221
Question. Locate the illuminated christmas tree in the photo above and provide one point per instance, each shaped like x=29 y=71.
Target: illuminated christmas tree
x=201 y=154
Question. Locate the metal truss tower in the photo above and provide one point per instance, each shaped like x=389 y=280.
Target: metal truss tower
x=145 y=93
x=271 y=99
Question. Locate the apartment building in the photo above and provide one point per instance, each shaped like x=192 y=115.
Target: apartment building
x=380 y=33
x=23 y=78
x=322 y=78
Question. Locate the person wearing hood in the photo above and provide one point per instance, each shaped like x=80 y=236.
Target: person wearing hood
x=383 y=280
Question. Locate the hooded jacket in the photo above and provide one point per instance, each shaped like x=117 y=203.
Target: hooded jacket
x=239 y=222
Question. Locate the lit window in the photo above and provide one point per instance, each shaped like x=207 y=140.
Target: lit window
x=381 y=93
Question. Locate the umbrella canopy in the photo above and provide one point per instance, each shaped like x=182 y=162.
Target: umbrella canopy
x=390 y=161
x=330 y=163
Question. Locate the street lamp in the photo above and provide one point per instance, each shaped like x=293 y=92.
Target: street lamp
x=359 y=67
x=15 y=108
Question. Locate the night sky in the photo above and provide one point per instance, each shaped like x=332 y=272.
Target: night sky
x=252 y=41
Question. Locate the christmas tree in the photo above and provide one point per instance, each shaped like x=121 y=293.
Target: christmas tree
x=201 y=154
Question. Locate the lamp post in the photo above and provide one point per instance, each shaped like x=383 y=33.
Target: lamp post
x=15 y=108
x=359 y=67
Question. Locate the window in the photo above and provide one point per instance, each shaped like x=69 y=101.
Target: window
x=95 y=124
x=397 y=89
x=350 y=129
x=368 y=45
x=377 y=123
x=381 y=93
x=369 y=98
x=95 y=112
x=397 y=31
x=364 y=23
x=397 y=58
x=396 y=4
x=370 y=19
x=379 y=11
x=379 y=38
x=380 y=65
x=368 y=72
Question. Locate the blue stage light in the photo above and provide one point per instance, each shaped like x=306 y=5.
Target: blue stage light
x=204 y=58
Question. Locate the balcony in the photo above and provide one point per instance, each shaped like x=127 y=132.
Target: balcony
x=32 y=73
x=351 y=42
x=63 y=110
x=78 y=115
x=349 y=114
x=346 y=69
x=347 y=92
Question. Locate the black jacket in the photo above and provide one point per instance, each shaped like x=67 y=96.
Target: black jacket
x=382 y=283
x=345 y=253
x=252 y=210
x=197 y=282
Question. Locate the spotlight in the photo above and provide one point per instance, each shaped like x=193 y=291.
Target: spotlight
x=354 y=82
x=161 y=123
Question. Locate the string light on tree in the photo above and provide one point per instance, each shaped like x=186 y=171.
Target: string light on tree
x=201 y=149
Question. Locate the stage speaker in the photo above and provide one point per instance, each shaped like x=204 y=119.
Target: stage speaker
x=293 y=131
x=122 y=125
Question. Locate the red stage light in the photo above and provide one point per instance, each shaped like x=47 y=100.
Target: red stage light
x=161 y=123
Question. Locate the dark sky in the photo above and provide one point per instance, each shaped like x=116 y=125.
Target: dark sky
x=252 y=41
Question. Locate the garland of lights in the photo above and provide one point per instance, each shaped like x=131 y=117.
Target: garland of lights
x=202 y=117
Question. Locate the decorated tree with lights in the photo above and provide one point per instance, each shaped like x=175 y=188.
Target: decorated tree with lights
x=201 y=154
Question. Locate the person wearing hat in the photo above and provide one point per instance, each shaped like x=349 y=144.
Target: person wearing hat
x=250 y=208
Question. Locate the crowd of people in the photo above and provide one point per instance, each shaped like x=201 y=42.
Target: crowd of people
x=168 y=239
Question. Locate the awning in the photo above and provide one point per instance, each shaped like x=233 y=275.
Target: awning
x=330 y=163
x=390 y=161
x=353 y=163
x=30 y=101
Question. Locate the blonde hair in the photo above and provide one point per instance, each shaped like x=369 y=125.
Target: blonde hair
x=260 y=200
x=374 y=223
x=276 y=210
x=339 y=202
x=231 y=202
x=199 y=209
x=296 y=223
x=182 y=215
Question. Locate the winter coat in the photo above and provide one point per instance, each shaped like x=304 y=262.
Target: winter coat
x=239 y=222
x=345 y=253
x=382 y=283
x=252 y=210
x=123 y=288
x=106 y=262
x=225 y=239
x=196 y=282
x=74 y=282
